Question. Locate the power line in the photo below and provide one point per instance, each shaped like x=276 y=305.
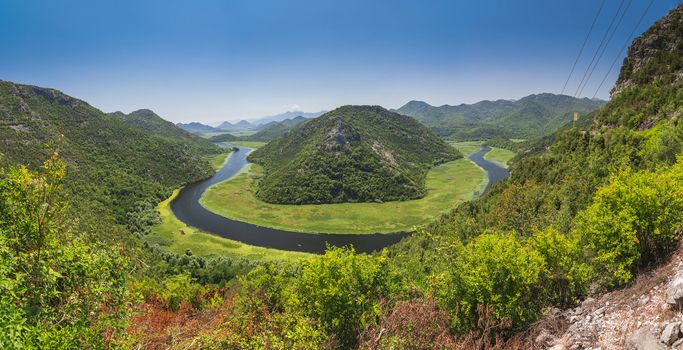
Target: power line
x=597 y=15
x=604 y=48
x=628 y=40
x=604 y=37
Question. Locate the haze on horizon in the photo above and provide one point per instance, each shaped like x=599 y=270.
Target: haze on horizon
x=212 y=61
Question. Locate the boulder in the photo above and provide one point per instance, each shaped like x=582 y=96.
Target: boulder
x=671 y=333
x=674 y=291
x=643 y=339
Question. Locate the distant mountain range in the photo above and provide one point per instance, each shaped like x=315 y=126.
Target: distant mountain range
x=269 y=131
x=255 y=125
x=529 y=117
x=287 y=115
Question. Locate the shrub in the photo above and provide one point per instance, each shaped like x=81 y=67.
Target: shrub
x=495 y=270
x=341 y=290
x=631 y=222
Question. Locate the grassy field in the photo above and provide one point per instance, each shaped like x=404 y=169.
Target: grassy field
x=500 y=156
x=250 y=144
x=467 y=147
x=448 y=185
x=175 y=236
x=217 y=160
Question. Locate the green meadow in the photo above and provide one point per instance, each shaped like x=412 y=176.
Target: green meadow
x=500 y=156
x=173 y=235
x=447 y=186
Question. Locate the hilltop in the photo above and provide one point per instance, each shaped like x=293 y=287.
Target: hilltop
x=351 y=154
x=530 y=117
x=147 y=120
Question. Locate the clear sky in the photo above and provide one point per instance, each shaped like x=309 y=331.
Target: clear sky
x=230 y=60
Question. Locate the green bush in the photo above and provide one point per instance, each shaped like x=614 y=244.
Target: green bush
x=341 y=290
x=494 y=270
x=631 y=222
x=566 y=276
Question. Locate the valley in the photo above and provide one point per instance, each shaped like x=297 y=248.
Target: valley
x=185 y=200
x=447 y=184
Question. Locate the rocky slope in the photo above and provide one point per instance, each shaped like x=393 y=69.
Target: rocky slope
x=646 y=315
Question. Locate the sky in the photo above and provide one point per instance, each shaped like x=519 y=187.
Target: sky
x=211 y=61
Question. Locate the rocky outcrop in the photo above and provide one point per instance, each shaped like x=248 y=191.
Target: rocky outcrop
x=655 y=55
x=645 y=315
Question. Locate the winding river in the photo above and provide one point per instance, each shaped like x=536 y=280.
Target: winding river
x=187 y=209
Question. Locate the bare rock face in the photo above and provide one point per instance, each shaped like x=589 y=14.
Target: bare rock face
x=644 y=339
x=674 y=291
x=671 y=333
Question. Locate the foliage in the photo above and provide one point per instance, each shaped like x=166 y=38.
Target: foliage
x=566 y=276
x=495 y=270
x=631 y=222
x=56 y=289
x=342 y=291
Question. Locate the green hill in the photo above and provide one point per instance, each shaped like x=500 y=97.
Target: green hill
x=108 y=160
x=530 y=117
x=354 y=153
x=147 y=120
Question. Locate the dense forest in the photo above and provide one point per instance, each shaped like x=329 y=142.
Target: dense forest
x=351 y=154
x=584 y=211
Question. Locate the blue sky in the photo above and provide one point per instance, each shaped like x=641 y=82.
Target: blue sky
x=230 y=60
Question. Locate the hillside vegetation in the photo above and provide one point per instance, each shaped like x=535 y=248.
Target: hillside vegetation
x=529 y=117
x=351 y=154
x=108 y=161
x=147 y=120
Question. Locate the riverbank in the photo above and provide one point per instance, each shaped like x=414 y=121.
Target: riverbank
x=447 y=185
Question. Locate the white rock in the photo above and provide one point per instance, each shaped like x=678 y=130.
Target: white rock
x=671 y=333
x=643 y=339
x=674 y=291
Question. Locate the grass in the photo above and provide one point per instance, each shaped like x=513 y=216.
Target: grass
x=500 y=156
x=250 y=144
x=217 y=160
x=447 y=185
x=467 y=147
x=173 y=235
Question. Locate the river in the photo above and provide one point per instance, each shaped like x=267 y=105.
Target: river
x=187 y=209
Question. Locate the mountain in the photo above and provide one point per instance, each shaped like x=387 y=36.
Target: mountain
x=529 y=117
x=108 y=160
x=242 y=125
x=351 y=154
x=273 y=130
x=147 y=120
x=287 y=115
x=198 y=128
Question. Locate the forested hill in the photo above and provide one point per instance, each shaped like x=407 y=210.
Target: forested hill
x=354 y=153
x=147 y=120
x=530 y=117
x=108 y=161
